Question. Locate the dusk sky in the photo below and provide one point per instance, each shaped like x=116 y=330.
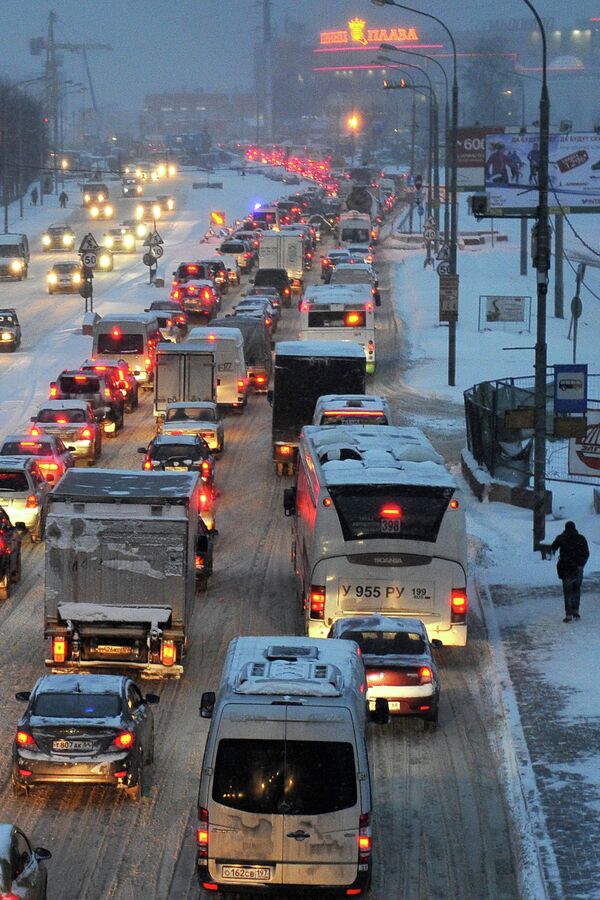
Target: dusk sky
x=183 y=44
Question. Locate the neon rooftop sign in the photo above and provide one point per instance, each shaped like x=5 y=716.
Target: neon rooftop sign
x=357 y=32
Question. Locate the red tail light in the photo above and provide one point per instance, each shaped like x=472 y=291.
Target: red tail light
x=147 y=464
x=260 y=379
x=124 y=740
x=287 y=291
x=391 y=511
x=167 y=653
x=107 y=392
x=59 y=649
x=148 y=363
x=284 y=449
x=364 y=839
x=268 y=322
x=202 y=833
x=206 y=468
x=53 y=391
x=24 y=739
x=86 y=434
x=459 y=605
x=35 y=431
x=176 y=295
x=199 y=561
x=425 y=675
x=353 y=318
x=454 y=504
x=203 y=501
x=241 y=384
x=48 y=466
x=31 y=502
x=304 y=307
x=116 y=332
x=317 y=601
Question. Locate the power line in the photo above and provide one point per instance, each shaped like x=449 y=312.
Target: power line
x=572 y=227
x=573 y=269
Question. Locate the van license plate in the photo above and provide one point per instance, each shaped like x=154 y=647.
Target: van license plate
x=246 y=873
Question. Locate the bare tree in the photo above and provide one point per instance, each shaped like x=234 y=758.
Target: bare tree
x=483 y=79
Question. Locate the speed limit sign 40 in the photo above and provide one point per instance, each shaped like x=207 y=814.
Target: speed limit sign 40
x=89 y=259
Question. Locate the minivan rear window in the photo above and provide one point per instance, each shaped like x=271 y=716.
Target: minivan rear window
x=287 y=778
x=122 y=343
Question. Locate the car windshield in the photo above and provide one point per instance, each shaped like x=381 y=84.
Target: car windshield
x=60 y=416
x=10 y=250
x=64 y=268
x=13 y=482
x=387 y=643
x=76 y=706
x=272 y=777
x=120 y=343
x=191 y=414
x=26 y=448
x=161 y=452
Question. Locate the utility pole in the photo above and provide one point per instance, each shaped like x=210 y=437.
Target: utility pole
x=413 y=134
x=268 y=53
x=52 y=90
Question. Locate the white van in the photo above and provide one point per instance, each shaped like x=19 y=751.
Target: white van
x=340 y=313
x=132 y=337
x=284 y=799
x=377 y=527
x=352 y=409
x=232 y=377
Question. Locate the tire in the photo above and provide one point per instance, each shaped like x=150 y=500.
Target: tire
x=430 y=723
x=4 y=586
x=135 y=793
x=16 y=575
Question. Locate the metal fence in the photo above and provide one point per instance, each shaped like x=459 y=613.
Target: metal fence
x=507 y=452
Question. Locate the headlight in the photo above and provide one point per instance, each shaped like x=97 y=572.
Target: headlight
x=7 y=336
x=108 y=210
x=108 y=241
x=128 y=241
x=154 y=176
x=100 y=198
x=16 y=265
x=87 y=198
x=171 y=204
x=139 y=212
x=67 y=239
x=52 y=278
x=172 y=171
x=139 y=189
x=46 y=240
x=156 y=211
x=161 y=171
x=104 y=261
x=76 y=278
x=94 y=212
x=141 y=230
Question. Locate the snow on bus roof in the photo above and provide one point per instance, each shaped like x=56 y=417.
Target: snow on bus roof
x=320 y=348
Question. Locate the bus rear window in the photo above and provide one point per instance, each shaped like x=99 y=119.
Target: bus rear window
x=121 y=343
x=404 y=512
x=356 y=235
x=349 y=318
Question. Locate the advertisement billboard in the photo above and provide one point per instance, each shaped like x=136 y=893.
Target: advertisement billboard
x=470 y=156
x=584 y=453
x=512 y=165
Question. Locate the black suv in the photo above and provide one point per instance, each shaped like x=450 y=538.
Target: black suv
x=179 y=453
x=10 y=555
x=277 y=278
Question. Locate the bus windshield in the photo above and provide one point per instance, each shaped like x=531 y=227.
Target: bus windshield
x=374 y=511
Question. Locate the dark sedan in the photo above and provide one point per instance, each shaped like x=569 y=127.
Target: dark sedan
x=399 y=662
x=89 y=729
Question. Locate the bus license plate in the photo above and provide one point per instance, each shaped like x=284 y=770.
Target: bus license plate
x=383 y=595
x=246 y=873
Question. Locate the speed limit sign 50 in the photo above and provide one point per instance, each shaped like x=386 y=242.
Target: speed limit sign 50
x=89 y=259
x=156 y=251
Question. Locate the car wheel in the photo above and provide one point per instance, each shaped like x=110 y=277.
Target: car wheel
x=430 y=723
x=16 y=575
x=4 y=586
x=135 y=792
x=19 y=790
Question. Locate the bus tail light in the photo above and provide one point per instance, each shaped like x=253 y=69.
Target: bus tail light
x=167 y=653
x=364 y=839
x=59 y=649
x=202 y=833
x=459 y=606
x=317 y=601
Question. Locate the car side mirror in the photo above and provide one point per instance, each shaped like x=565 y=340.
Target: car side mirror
x=41 y=853
x=435 y=642
x=381 y=714
x=207 y=704
x=270 y=397
x=289 y=501
x=141 y=449
x=23 y=696
x=152 y=698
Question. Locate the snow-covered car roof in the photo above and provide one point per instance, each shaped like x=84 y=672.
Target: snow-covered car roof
x=64 y=404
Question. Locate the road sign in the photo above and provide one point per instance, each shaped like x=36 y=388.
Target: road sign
x=156 y=251
x=448 y=298
x=443 y=253
x=153 y=239
x=148 y=259
x=89 y=259
x=576 y=307
x=418 y=182
x=420 y=210
x=570 y=388
x=217 y=217
x=429 y=234
x=89 y=242
x=443 y=267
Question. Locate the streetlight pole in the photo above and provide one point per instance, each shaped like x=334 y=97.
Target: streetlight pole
x=390 y=48
x=453 y=178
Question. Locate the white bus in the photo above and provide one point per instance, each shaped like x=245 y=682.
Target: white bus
x=377 y=527
x=340 y=313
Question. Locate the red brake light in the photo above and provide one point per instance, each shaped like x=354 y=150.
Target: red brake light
x=148 y=363
x=459 y=605
x=425 y=675
x=81 y=379
x=167 y=653
x=391 y=511
x=268 y=321
x=203 y=501
x=147 y=464
x=369 y=307
x=287 y=291
x=86 y=434
x=202 y=833
x=364 y=839
x=284 y=449
x=49 y=466
x=27 y=443
x=107 y=392
x=454 y=504
x=61 y=420
x=206 y=468
x=353 y=318
x=101 y=369
x=31 y=502
x=260 y=379
x=304 y=307
x=35 y=431
x=59 y=649
x=53 y=391
x=24 y=739
x=317 y=601
x=191 y=269
x=212 y=337
x=116 y=332
x=176 y=295
x=240 y=384
x=124 y=740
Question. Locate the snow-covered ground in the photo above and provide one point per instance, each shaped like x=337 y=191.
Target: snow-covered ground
x=546 y=658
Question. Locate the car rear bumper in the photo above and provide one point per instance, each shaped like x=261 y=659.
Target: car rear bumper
x=46 y=768
x=359 y=885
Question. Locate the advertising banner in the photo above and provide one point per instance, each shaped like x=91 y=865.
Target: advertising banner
x=512 y=166
x=584 y=453
x=470 y=156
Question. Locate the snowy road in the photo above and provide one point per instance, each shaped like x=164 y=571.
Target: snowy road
x=441 y=826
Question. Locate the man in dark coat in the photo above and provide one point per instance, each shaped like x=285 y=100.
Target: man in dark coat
x=573 y=555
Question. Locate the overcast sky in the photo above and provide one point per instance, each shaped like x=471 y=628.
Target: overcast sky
x=179 y=44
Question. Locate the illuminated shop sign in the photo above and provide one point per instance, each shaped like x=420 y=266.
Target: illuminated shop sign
x=357 y=32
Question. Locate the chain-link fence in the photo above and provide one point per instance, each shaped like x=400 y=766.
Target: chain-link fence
x=506 y=450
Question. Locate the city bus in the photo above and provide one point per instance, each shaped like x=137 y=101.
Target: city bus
x=342 y=312
x=377 y=527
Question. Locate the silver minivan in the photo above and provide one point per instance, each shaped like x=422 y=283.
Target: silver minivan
x=285 y=796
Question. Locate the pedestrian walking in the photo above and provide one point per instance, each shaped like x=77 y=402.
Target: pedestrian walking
x=573 y=555
x=63 y=199
x=34 y=196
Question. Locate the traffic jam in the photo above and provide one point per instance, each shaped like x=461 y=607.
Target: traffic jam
x=258 y=345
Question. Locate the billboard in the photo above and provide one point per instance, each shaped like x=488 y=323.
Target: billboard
x=470 y=156
x=584 y=453
x=512 y=166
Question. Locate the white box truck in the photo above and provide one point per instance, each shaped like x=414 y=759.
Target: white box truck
x=183 y=372
x=280 y=250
